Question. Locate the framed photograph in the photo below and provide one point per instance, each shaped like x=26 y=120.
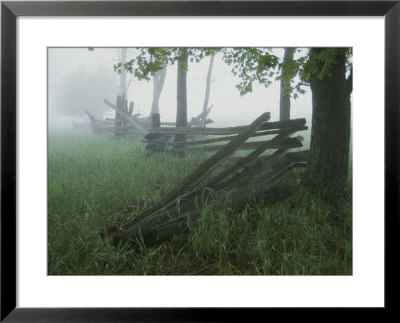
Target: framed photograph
x=197 y=160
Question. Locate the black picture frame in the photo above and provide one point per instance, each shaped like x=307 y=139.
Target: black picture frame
x=10 y=10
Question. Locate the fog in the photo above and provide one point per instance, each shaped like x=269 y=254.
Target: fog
x=80 y=79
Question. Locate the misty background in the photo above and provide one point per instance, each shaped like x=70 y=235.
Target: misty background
x=80 y=79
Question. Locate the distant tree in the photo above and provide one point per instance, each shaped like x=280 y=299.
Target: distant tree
x=158 y=84
x=151 y=60
x=286 y=79
x=122 y=76
x=122 y=57
x=181 y=93
x=85 y=89
x=208 y=84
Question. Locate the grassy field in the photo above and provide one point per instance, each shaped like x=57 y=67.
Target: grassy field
x=92 y=180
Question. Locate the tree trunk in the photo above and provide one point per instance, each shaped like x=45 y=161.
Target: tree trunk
x=181 y=110
x=122 y=94
x=122 y=76
x=208 y=82
x=158 y=84
x=155 y=120
x=330 y=135
x=285 y=97
x=118 y=119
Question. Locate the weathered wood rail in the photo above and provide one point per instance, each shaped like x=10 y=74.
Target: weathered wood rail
x=252 y=176
x=163 y=138
x=127 y=123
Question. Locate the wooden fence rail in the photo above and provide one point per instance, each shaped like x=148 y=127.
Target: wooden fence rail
x=163 y=138
x=294 y=123
x=252 y=176
x=127 y=123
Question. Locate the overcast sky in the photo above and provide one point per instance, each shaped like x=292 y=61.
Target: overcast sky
x=229 y=108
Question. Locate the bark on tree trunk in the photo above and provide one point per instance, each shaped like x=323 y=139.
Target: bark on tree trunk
x=158 y=84
x=330 y=135
x=285 y=98
x=181 y=110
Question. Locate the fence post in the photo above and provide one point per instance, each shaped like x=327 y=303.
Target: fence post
x=155 y=120
x=130 y=111
x=117 y=122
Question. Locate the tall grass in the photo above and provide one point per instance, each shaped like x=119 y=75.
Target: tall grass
x=94 y=181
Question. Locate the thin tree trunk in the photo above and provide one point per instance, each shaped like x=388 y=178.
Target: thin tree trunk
x=285 y=97
x=330 y=135
x=122 y=76
x=158 y=84
x=122 y=94
x=118 y=119
x=208 y=82
x=181 y=110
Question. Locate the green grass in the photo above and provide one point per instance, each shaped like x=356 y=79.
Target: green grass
x=94 y=181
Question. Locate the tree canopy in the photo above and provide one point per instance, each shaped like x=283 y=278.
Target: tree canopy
x=152 y=59
x=249 y=64
x=261 y=65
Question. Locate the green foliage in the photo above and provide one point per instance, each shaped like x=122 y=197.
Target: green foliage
x=319 y=64
x=260 y=65
x=251 y=65
x=349 y=59
x=152 y=59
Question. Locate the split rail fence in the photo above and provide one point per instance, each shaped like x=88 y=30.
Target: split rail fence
x=253 y=176
x=128 y=123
